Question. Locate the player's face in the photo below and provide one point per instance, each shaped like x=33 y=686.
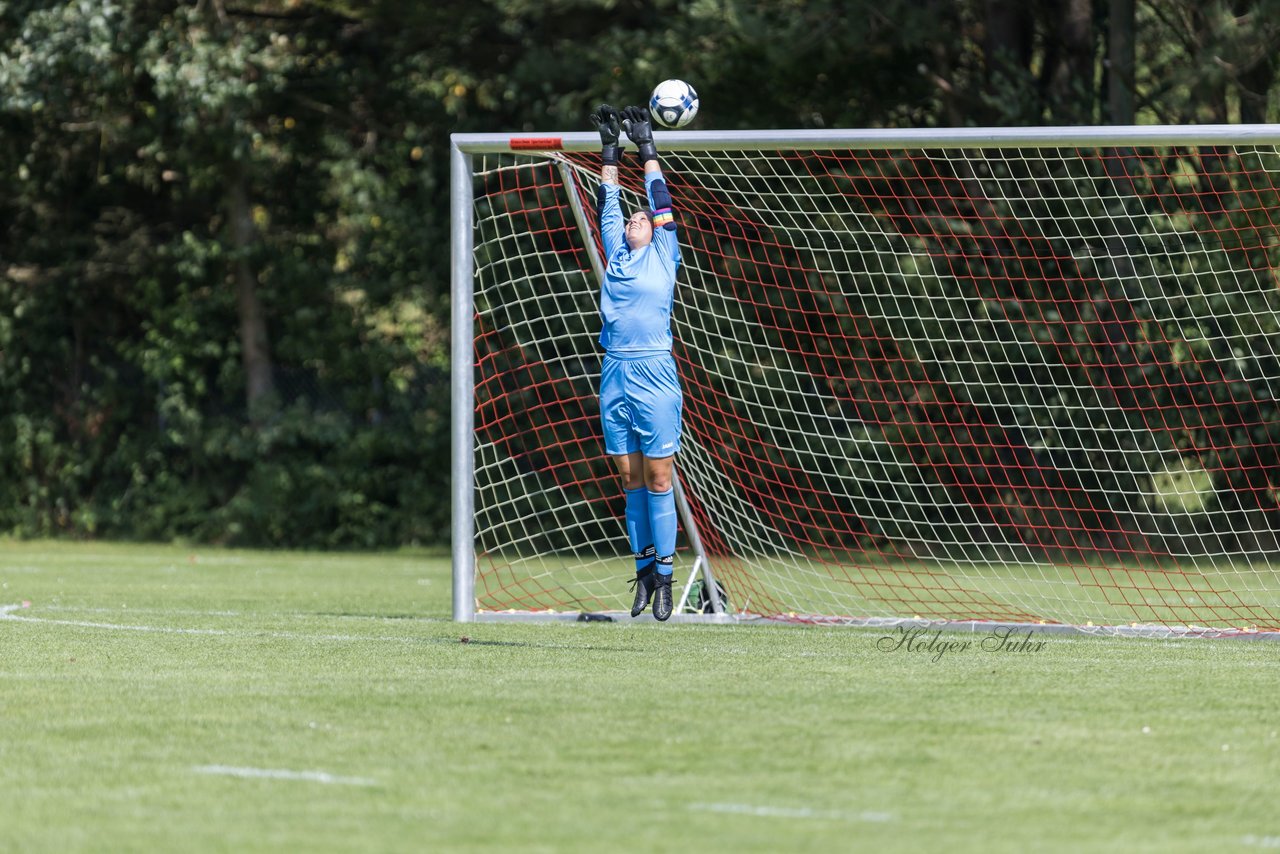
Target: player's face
x=639 y=230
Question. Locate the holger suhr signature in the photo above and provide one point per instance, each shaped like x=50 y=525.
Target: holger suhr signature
x=932 y=643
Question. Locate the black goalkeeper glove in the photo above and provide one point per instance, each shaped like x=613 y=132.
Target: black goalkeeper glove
x=635 y=121
x=609 y=122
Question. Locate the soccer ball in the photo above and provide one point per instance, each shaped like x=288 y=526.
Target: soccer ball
x=673 y=103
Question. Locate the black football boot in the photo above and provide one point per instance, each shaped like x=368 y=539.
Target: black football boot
x=661 y=597
x=644 y=584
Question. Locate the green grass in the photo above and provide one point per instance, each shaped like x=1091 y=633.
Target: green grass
x=592 y=737
x=1231 y=596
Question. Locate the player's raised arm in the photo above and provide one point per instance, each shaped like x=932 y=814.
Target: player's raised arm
x=635 y=120
x=609 y=122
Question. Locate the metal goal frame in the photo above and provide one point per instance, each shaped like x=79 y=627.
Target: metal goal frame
x=464 y=145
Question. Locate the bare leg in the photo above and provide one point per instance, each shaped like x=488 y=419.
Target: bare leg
x=631 y=468
x=657 y=473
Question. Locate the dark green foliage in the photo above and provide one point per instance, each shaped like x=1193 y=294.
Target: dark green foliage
x=137 y=137
x=120 y=353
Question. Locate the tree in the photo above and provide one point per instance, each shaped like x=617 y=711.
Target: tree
x=1120 y=62
x=224 y=275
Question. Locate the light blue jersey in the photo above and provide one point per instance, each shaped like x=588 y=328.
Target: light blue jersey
x=639 y=284
x=640 y=396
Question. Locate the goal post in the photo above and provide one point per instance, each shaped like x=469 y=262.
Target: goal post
x=462 y=390
x=984 y=376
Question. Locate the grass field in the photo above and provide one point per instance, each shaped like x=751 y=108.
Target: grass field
x=169 y=698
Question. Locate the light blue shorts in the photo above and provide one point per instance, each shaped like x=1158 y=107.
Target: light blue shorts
x=640 y=404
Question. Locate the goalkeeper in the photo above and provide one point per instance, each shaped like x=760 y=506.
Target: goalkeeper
x=640 y=397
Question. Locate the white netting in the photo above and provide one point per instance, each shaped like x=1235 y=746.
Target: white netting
x=1019 y=385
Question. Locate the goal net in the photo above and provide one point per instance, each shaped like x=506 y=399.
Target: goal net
x=999 y=376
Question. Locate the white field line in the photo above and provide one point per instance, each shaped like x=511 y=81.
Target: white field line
x=7 y=614
x=793 y=812
x=193 y=612
x=281 y=774
x=125 y=609
x=1261 y=841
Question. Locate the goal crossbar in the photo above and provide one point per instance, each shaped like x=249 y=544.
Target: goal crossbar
x=884 y=138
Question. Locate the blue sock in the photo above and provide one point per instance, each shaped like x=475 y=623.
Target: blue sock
x=638 y=530
x=662 y=518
